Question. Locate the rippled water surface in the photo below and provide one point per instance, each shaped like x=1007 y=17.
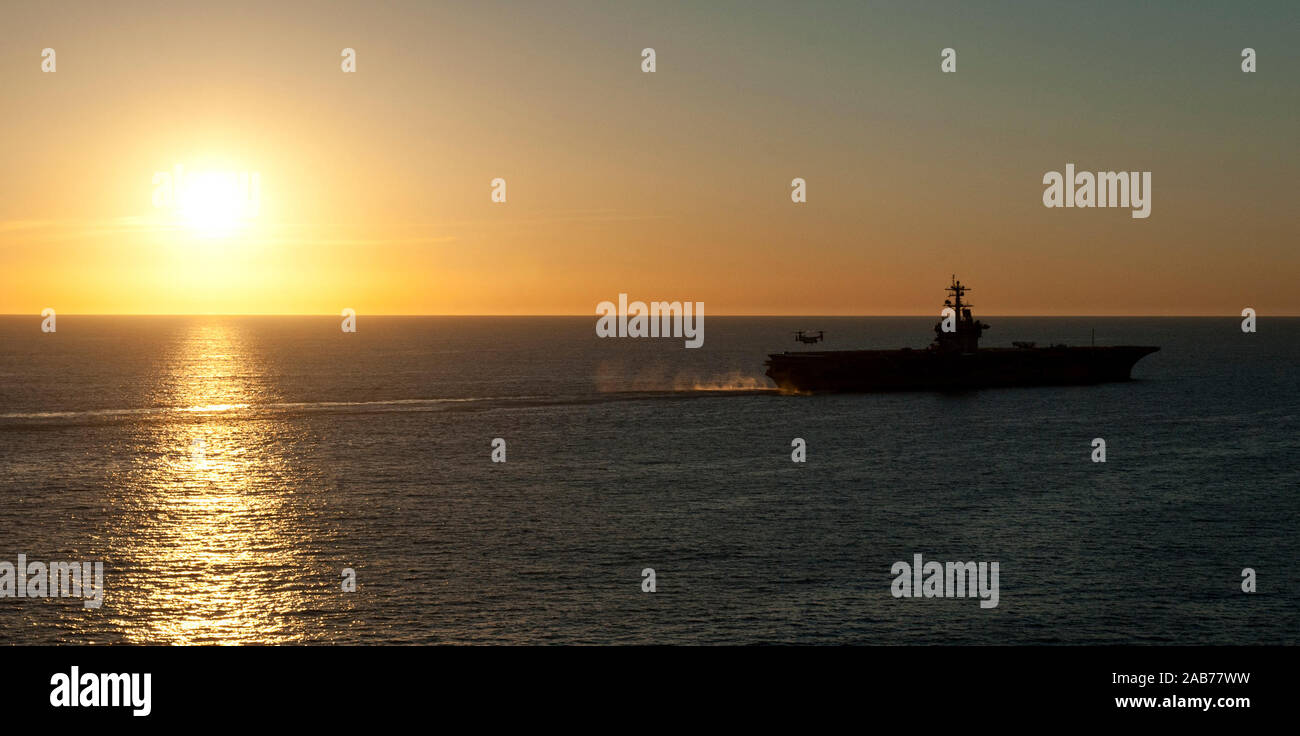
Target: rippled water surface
x=226 y=469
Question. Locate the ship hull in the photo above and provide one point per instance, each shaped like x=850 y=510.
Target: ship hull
x=915 y=370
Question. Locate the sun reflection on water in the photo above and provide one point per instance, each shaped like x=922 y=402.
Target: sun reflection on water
x=210 y=541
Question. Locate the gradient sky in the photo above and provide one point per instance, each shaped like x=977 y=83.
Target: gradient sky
x=672 y=185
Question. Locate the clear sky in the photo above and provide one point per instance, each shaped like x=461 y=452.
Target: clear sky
x=375 y=186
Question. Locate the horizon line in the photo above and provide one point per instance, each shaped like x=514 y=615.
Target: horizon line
x=595 y=314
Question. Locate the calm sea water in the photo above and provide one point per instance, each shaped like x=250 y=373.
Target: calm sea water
x=322 y=450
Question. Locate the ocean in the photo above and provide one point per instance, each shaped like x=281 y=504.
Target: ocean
x=227 y=470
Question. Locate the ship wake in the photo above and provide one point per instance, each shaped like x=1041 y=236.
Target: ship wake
x=734 y=381
x=612 y=379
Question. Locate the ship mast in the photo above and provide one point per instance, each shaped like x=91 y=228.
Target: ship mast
x=958 y=291
x=968 y=330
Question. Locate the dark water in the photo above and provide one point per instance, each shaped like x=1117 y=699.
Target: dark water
x=323 y=450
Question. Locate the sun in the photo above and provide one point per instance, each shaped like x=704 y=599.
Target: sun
x=218 y=204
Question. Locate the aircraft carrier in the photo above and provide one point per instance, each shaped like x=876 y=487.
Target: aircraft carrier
x=954 y=361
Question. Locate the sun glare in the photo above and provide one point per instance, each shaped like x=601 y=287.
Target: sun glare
x=210 y=206
x=214 y=203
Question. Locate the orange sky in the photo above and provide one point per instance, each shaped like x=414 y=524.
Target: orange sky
x=674 y=185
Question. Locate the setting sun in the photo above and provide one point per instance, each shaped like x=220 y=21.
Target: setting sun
x=208 y=203
x=216 y=204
